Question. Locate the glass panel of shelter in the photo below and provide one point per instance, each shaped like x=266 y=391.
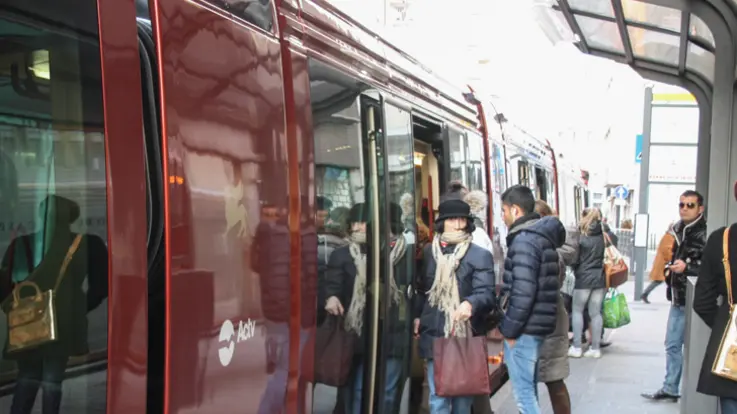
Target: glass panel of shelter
x=652 y=14
x=601 y=34
x=655 y=46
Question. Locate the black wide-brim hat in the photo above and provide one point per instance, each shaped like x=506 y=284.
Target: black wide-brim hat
x=453 y=208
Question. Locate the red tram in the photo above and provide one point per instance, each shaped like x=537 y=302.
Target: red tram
x=201 y=141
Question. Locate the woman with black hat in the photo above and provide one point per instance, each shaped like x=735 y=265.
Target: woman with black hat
x=346 y=284
x=457 y=286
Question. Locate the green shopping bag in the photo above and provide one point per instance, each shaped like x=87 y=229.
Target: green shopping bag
x=616 y=311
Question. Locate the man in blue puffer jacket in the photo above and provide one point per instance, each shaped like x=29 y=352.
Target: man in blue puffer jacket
x=530 y=290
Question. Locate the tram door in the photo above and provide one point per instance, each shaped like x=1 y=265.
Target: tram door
x=364 y=184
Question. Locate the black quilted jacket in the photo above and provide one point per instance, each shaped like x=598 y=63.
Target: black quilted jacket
x=688 y=246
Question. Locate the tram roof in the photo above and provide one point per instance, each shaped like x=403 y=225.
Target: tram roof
x=649 y=37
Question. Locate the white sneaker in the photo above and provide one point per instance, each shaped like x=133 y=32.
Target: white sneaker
x=592 y=353
x=574 y=352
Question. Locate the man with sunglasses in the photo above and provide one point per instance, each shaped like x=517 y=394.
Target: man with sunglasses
x=690 y=238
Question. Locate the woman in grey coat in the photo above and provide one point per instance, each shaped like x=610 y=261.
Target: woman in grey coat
x=553 y=368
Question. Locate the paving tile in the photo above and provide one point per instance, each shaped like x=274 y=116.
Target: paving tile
x=635 y=362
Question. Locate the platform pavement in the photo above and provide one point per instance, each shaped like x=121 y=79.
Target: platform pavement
x=634 y=363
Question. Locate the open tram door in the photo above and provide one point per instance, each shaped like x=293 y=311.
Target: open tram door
x=364 y=179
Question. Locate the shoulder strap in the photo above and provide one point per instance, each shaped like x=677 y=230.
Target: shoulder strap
x=727 y=267
x=607 y=239
x=68 y=258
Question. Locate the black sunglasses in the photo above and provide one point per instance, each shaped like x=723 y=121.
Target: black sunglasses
x=690 y=206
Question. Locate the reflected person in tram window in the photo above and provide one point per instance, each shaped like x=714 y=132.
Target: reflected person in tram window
x=346 y=286
x=270 y=259
x=330 y=236
x=86 y=255
x=457 y=285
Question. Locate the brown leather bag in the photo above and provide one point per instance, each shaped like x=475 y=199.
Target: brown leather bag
x=615 y=268
x=461 y=366
x=334 y=348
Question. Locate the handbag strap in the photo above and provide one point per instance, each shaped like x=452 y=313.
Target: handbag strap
x=67 y=259
x=727 y=267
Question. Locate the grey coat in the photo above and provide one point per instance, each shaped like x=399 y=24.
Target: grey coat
x=553 y=362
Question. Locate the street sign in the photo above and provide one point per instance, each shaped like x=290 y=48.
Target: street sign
x=621 y=192
x=638 y=149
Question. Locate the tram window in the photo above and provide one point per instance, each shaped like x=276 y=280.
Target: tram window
x=541 y=184
x=457 y=155
x=257 y=12
x=498 y=163
x=54 y=204
x=523 y=169
x=474 y=163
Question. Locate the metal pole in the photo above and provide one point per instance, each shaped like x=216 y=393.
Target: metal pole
x=641 y=252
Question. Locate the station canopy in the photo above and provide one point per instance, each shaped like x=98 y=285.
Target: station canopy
x=641 y=35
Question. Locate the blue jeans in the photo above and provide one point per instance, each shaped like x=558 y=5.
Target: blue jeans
x=274 y=396
x=445 y=405
x=729 y=405
x=674 y=337
x=353 y=389
x=521 y=361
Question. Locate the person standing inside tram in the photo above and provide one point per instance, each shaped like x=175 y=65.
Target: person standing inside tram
x=663 y=257
x=346 y=287
x=330 y=236
x=553 y=367
x=531 y=290
x=68 y=260
x=690 y=237
x=456 y=286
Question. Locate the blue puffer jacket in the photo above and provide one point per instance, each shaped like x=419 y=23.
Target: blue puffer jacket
x=531 y=276
x=475 y=275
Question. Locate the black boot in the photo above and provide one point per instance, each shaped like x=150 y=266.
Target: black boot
x=661 y=395
x=643 y=298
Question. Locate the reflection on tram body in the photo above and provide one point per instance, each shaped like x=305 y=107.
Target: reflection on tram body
x=74 y=266
x=53 y=182
x=346 y=288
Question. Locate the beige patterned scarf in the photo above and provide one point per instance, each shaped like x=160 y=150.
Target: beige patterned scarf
x=444 y=293
x=354 y=317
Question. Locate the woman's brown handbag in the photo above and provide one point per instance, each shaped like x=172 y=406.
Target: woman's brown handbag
x=334 y=349
x=32 y=319
x=615 y=268
x=725 y=363
x=461 y=366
